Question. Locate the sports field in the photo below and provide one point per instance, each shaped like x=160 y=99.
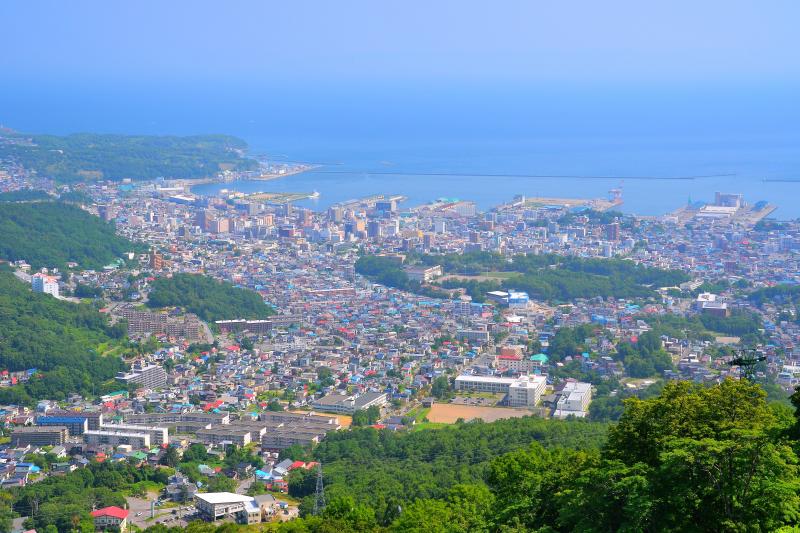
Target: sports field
x=448 y=413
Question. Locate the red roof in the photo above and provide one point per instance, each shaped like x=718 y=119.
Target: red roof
x=115 y=512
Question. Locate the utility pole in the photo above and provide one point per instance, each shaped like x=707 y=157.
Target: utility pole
x=319 y=501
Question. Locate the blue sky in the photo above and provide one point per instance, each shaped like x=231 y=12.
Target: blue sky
x=344 y=42
x=504 y=69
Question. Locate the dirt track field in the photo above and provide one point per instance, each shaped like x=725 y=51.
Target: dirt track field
x=449 y=413
x=344 y=420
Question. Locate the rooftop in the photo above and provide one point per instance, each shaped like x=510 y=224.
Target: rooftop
x=214 y=498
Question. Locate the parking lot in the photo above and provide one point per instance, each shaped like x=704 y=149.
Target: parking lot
x=170 y=516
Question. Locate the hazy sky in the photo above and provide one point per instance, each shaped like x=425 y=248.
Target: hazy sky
x=343 y=42
x=408 y=68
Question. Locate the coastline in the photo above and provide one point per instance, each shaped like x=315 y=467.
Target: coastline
x=291 y=172
x=267 y=176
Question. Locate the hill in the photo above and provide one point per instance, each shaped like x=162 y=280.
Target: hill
x=51 y=234
x=668 y=461
x=24 y=195
x=58 y=338
x=88 y=156
x=208 y=298
x=544 y=277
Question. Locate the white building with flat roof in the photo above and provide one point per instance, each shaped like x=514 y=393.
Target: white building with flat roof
x=217 y=505
x=135 y=439
x=574 y=400
x=525 y=391
x=158 y=435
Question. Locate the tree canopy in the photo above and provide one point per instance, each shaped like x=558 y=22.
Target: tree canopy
x=90 y=156
x=546 y=277
x=207 y=297
x=58 y=338
x=52 y=234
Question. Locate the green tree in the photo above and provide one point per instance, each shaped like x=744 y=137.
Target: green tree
x=221 y=483
x=170 y=457
x=440 y=388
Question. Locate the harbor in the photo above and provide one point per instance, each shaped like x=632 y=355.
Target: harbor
x=726 y=207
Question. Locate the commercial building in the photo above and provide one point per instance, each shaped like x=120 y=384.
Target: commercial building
x=39 y=436
x=144 y=375
x=45 y=284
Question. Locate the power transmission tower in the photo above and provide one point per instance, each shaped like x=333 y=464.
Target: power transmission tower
x=747 y=361
x=319 y=500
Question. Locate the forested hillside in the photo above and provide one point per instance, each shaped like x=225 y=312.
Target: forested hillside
x=545 y=277
x=52 y=234
x=668 y=461
x=88 y=156
x=208 y=298
x=59 y=339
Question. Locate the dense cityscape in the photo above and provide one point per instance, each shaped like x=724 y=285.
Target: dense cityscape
x=399 y=267
x=255 y=328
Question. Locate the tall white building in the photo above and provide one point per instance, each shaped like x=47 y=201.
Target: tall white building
x=45 y=284
x=149 y=376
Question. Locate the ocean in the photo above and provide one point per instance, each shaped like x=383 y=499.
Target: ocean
x=655 y=176
x=373 y=139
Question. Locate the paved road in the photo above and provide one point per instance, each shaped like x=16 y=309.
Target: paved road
x=162 y=515
x=244 y=485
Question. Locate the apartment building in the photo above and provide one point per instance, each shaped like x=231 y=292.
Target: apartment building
x=39 y=436
x=115 y=438
x=158 y=435
x=144 y=375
